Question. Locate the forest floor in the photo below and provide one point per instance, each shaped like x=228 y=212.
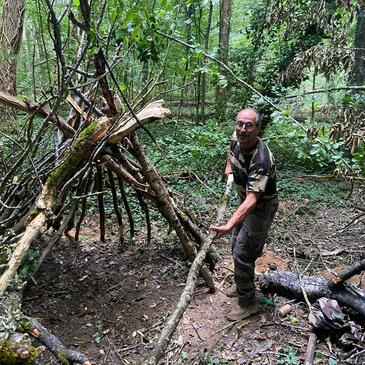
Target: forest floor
x=112 y=304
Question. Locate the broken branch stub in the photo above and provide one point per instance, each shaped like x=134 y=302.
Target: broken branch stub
x=152 y=111
x=32 y=107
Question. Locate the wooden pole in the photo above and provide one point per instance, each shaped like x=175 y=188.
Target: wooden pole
x=189 y=288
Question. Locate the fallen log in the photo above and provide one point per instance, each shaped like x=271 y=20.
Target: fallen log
x=289 y=284
x=189 y=288
x=15 y=343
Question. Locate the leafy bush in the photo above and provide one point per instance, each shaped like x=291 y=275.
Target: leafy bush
x=311 y=192
x=28 y=264
x=292 y=146
x=191 y=148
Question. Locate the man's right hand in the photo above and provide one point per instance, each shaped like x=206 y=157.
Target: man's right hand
x=221 y=230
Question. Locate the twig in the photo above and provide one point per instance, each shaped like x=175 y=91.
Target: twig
x=317 y=91
x=340 y=250
x=353 y=221
x=196 y=331
x=356 y=354
x=311 y=347
x=302 y=287
x=227 y=326
x=171 y=259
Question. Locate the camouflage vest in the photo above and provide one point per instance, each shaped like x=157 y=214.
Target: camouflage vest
x=253 y=171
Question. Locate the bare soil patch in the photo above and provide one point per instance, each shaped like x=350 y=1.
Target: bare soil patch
x=112 y=305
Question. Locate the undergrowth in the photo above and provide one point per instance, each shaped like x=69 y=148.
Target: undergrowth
x=191 y=158
x=293 y=148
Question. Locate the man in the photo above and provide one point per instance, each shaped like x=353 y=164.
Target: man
x=253 y=168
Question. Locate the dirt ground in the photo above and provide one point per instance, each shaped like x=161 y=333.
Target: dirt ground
x=112 y=305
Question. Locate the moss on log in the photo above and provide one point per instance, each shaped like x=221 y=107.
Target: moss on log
x=18 y=350
x=75 y=157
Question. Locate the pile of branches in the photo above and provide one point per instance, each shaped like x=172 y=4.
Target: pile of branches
x=50 y=171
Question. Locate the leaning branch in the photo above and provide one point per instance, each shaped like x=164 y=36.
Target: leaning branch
x=35 y=108
x=318 y=91
x=230 y=72
x=189 y=289
x=162 y=198
x=63 y=354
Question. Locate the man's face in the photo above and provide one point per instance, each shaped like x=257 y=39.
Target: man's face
x=247 y=129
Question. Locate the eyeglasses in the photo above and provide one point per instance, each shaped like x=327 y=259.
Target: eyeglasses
x=248 y=125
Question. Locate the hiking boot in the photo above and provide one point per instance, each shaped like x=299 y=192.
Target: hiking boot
x=242 y=313
x=232 y=291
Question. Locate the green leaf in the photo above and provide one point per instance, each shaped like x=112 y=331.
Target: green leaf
x=130 y=16
x=77 y=3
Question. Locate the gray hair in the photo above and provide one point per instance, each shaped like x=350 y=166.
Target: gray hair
x=258 y=119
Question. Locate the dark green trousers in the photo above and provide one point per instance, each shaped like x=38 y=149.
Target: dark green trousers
x=248 y=240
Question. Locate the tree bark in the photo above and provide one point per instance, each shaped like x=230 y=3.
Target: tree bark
x=225 y=13
x=290 y=285
x=357 y=76
x=11 y=29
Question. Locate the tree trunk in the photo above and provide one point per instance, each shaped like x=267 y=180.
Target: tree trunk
x=225 y=13
x=203 y=80
x=185 y=91
x=11 y=29
x=357 y=76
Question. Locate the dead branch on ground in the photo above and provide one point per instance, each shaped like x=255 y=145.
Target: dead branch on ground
x=288 y=284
